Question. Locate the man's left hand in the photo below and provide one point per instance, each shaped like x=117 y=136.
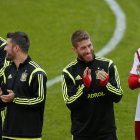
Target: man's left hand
x=104 y=77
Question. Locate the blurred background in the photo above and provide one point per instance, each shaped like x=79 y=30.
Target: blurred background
x=49 y=25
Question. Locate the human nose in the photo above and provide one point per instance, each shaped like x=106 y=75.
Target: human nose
x=87 y=50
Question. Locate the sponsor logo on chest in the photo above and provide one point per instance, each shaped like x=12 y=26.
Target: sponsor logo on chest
x=95 y=95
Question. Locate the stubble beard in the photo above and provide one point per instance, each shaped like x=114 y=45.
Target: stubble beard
x=83 y=59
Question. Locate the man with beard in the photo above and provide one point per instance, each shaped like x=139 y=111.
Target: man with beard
x=27 y=80
x=3 y=64
x=90 y=86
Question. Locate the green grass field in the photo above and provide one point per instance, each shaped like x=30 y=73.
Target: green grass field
x=49 y=25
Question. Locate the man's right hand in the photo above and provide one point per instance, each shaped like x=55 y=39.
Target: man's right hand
x=87 y=77
x=9 y=97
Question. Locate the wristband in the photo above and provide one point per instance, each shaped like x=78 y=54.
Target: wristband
x=103 y=83
x=87 y=81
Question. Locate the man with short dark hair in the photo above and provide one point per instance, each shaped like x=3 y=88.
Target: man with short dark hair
x=90 y=86
x=27 y=80
x=3 y=64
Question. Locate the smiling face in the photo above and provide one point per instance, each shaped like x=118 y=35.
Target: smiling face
x=10 y=50
x=84 y=50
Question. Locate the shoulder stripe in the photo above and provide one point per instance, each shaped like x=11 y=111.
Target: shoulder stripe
x=4 y=41
x=64 y=70
x=37 y=69
x=34 y=64
x=71 y=64
x=3 y=44
x=102 y=58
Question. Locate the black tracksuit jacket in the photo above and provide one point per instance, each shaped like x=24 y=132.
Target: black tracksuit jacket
x=24 y=117
x=3 y=64
x=92 y=113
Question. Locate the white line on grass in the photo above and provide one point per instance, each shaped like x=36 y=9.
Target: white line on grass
x=116 y=38
x=119 y=31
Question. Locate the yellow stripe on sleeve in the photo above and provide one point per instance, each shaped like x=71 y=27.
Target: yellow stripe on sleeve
x=33 y=101
x=69 y=99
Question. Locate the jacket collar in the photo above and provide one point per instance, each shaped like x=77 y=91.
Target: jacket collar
x=22 y=64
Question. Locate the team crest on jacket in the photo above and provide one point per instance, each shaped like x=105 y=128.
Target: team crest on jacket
x=96 y=72
x=23 y=76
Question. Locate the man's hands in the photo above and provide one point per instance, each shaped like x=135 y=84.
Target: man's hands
x=87 y=77
x=104 y=77
x=7 y=98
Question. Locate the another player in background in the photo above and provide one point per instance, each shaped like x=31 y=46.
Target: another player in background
x=3 y=64
x=134 y=83
x=3 y=61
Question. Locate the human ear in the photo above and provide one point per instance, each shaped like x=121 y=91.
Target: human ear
x=74 y=49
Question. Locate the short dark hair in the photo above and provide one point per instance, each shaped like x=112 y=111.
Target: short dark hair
x=79 y=36
x=21 y=39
